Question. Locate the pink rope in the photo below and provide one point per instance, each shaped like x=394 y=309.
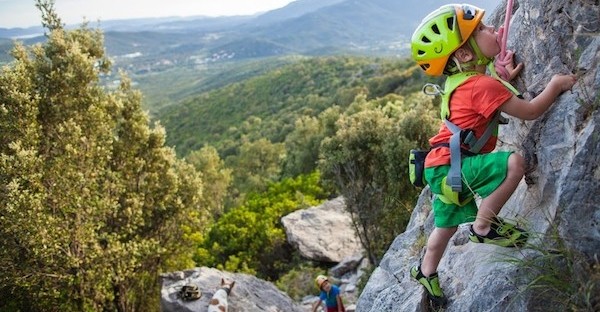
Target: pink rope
x=503 y=58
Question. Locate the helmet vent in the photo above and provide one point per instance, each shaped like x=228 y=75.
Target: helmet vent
x=450 y=22
x=425 y=66
x=435 y=29
x=425 y=39
x=421 y=52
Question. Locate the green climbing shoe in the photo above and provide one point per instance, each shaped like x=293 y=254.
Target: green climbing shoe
x=431 y=284
x=501 y=234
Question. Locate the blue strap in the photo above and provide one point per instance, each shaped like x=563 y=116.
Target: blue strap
x=475 y=145
x=454 y=177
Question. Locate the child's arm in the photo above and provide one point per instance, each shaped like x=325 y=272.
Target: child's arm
x=529 y=110
x=339 y=303
x=316 y=305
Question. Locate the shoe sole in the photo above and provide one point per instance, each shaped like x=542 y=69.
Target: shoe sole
x=436 y=300
x=502 y=242
x=518 y=237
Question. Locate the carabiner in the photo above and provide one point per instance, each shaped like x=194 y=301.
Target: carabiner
x=432 y=89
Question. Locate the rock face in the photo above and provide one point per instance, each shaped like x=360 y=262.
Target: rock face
x=561 y=189
x=323 y=233
x=249 y=293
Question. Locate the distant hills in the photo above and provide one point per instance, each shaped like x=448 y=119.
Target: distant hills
x=303 y=27
x=171 y=58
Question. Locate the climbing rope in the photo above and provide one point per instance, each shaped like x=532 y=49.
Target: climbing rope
x=503 y=58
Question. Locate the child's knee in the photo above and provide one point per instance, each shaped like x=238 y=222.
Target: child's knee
x=516 y=165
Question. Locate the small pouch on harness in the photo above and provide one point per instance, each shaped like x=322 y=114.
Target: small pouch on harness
x=416 y=167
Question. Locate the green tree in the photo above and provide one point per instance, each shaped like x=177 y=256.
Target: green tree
x=302 y=146
x=267 y=105
x=93 y=206
x=256 y=164
x=216 y=177
x=367 y=160
x=250 y=238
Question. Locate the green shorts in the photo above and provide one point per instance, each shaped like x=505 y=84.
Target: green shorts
x=482 y=174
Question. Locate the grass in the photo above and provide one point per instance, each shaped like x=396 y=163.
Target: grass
x=558 y=277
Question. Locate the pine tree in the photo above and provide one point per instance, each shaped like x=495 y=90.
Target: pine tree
x=93 y=206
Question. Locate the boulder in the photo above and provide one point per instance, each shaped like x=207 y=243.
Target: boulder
x=249 y=294
x=323 y=233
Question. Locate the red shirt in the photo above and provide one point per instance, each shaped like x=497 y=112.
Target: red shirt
x=472 y=106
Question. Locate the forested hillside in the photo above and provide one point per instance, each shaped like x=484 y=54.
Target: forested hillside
x=268 y=105
x=95 y=203
x=353 y=119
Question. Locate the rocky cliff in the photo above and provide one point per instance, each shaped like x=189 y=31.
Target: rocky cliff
x=557 y=201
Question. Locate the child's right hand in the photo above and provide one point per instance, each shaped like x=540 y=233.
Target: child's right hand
x=562 y=82
x=529 y=110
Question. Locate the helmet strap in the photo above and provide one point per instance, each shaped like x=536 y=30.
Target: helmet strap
x=481 y=59
x=457 y=62
x=459 y=68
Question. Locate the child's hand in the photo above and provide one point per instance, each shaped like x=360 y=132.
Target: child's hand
x=563 y=82
x=510 y=67
x=506 y=66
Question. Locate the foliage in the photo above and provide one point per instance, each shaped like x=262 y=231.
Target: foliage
x=162 y=88
x=367 y=160
x=215 y=176
x=93 y=206
x=560 y=276
x=256 y=164
x=250 y=238
x=277 y=98
x=303 y=144
x=299 y=282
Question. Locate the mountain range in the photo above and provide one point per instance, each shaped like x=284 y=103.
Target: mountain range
x=309 y=27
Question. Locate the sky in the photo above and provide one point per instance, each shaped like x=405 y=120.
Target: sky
x=23 y=13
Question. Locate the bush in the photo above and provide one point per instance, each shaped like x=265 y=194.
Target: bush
x=300 y=282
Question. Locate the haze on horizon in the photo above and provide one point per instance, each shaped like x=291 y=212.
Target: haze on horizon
x=23 y=13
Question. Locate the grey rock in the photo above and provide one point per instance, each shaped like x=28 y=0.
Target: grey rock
x=249 y=294
x=559 y=193
x=323 y=233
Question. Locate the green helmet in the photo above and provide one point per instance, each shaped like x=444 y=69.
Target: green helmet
x=441 y=33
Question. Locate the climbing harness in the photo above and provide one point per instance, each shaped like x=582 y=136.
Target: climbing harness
x=502 y=60
x=451 y=184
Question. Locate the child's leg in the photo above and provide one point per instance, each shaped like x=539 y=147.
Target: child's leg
x=491 y=205
x=426 y=274
x=436 y=245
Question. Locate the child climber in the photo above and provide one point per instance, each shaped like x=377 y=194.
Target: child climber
x=330 y=294
x=453 y=41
